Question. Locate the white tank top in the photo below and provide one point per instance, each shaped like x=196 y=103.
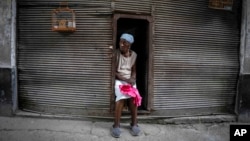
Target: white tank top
x=125 y=64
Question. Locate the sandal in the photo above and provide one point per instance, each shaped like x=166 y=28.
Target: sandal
x=115 y=132
x=135 y=130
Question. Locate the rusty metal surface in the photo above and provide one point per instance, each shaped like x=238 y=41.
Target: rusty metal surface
x=64 y=70
x=132 y=6
x=195 y=56
x=194 y=63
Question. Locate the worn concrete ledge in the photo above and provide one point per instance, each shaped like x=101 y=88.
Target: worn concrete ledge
x=201 y=119
x=142 y=119
x=40 y=129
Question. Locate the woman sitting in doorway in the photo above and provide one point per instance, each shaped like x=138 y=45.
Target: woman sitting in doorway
x=125 y=74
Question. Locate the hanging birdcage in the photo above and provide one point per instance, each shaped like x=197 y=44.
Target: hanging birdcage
x=63 y=19
x=221 y=4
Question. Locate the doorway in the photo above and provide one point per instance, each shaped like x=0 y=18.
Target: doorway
x=139 y=27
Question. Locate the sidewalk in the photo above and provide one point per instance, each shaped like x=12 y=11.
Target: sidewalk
x=50 y=129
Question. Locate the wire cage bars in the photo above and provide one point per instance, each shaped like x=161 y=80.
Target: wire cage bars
x=63 y=19
x=221 y=4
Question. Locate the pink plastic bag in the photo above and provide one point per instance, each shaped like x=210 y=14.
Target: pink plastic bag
x=133 y=92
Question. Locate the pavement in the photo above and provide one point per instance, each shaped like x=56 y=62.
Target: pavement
x=21 y=128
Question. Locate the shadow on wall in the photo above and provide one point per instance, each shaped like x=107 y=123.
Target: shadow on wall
x=5 y=85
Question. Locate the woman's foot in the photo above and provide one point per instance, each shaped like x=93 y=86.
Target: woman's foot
x=115 y=132
x=135 y=130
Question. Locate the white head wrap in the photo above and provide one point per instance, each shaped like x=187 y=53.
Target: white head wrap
x=128 y=37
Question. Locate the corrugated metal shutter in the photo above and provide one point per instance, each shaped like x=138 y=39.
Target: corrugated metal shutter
x=141 y=6
x=59 y=70
x=195 y=55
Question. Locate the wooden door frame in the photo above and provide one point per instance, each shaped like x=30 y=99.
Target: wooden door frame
x=150 y=57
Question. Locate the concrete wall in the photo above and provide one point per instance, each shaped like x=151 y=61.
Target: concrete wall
x=5 y=33
x=244 y=77
x=5 y=57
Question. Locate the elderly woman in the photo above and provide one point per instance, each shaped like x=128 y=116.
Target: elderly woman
x=125 y=74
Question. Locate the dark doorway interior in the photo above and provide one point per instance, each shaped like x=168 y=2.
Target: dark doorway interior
x=139 y=29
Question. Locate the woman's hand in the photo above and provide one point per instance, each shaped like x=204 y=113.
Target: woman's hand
x=131 y=81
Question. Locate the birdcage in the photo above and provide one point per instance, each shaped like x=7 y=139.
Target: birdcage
x=221 y=4
x=63 y=19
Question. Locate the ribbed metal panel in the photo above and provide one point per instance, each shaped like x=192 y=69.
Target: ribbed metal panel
x=139 y=6
x=64 y=70
x=195 y=55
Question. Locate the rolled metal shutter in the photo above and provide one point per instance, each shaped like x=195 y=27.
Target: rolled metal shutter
x=140 y=6
x=60 y=70
x=195 y=55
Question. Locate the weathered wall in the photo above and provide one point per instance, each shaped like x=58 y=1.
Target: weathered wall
x=244 y=78
x=5 y=57
x=5 y=34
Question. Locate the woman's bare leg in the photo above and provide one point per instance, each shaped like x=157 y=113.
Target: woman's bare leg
x=118 y=112
x=133 y=110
